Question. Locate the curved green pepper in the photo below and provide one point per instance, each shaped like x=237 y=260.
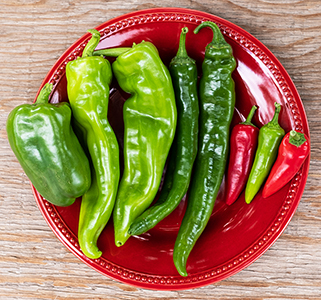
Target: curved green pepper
x=150 y=121
x=217 y=100
x=184 y=148
x=88 y=80
x=270 y=137
x=48 y=150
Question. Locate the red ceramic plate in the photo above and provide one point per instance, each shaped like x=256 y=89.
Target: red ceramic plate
x=236 y=235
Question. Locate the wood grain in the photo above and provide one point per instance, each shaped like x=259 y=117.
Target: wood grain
x=35 y=265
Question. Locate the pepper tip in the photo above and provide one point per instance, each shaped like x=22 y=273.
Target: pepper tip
x=248 y=200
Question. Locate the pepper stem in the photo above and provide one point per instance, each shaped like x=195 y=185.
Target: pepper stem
x=182 y=56
x=275 y=119
x=248 y=120
x=296 y=138
x=218 y=38
x=112 y=52
x=44 y=93
x=92 y=44
x=181 y=52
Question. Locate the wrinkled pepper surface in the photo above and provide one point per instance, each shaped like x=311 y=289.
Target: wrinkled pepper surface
x=42 y=138
x=217 y=100
x=88 y=79
x=149 y=126
x=184 y=148
x=270 y=136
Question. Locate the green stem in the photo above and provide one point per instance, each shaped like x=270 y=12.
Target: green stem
x=112 y=52
x=275 y=119
x=296 y=138
x=181 y=52
x=43 y=96
x=248 y=120
x=92 y=44
x=218 y=39
x=182 y=56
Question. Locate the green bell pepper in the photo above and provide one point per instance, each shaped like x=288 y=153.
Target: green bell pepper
x=150 y=122
x=48 y=150
x=88 y=79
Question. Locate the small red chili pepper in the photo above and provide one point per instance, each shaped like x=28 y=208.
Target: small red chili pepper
x=293 y=150
x=243 y=143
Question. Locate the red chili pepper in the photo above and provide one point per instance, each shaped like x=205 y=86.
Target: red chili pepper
x=293 y=150
x=243 y=143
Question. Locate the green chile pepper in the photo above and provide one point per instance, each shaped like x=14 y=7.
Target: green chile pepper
x=88 y=80
x=149 y=127
x=270 y=137
x=48 y=150
x=217 y=100
x=184 y=148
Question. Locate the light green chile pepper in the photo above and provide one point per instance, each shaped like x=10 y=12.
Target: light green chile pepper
x=150 y=123
x=88 y=80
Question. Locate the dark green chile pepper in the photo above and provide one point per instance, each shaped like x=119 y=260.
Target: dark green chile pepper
x=48 y=150
x=270 y=137
x=150 y=121
x=88 y=80
x=184 y=148
x=217 y=100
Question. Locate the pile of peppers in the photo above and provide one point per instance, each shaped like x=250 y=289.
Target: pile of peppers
x=173 y=125
x=263 y=157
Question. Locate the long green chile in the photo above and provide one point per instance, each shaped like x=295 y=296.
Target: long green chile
x=217 y=100
x=149 y=127
x=88 y=79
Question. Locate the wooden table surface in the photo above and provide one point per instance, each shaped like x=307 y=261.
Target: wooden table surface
x=33 y=262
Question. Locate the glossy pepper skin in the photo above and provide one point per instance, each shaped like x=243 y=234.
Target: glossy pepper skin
x=217 y=100
x=88 y=79
x=48 y=150
x=183 y=71
x=270 y=136
x=292 y=153
x=243 y=144
x=149 y=127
